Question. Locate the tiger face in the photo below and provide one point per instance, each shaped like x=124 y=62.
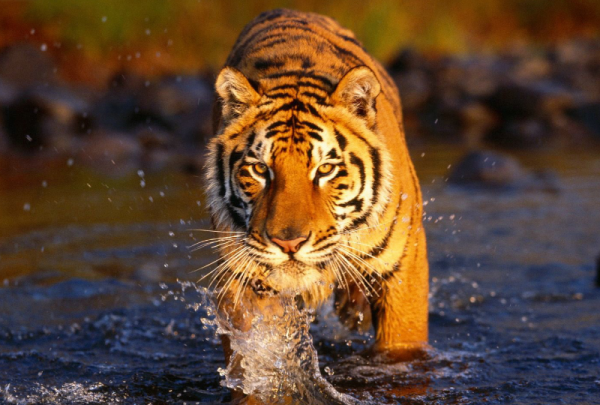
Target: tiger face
x=297 y=168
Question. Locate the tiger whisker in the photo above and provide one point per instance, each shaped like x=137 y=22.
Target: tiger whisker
x=206 y=242
x=246 y=278
x=361 y=276
x=226 y=266
x=220 y=257
x=232 y=277
x=211 y=230
x=362 y=252
x=357 y=280
x=340 y=274
x=370 y=267
x=232 y=262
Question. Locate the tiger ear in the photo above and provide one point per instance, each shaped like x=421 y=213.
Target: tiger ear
x=235 y=92
x=357 y=91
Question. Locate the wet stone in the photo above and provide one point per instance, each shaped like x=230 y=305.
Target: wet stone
x=45 y=116
x=489 y=170
x=589 y=115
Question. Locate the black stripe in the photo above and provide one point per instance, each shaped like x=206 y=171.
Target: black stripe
x=315 y=135
x=279 y=95
x=376 y=159
x=341 y=173
x=311 y=125
x=349 y=39
x=220 y=170
x=356 y=202
x=272 y=133
x=282 y=87
x=320 y=99
x=355 y=160
x=303 y=74
x=250 y=139
x=276 y=124
x=313 y=111
x=325 y=247
x=264 y=64
x=342 y=141
x=312 y=85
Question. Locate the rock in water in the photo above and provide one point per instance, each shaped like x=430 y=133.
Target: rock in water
x=498 y=171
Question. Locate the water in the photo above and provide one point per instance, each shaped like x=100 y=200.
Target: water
x=91 y=310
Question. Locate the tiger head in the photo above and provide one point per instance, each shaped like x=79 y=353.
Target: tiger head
x=296 y=168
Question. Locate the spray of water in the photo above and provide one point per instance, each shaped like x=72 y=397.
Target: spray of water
x=274 y=362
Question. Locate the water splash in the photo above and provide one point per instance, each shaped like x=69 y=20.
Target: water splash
x=275 y=361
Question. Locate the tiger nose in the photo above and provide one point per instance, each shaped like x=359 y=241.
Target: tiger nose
x=291 y=245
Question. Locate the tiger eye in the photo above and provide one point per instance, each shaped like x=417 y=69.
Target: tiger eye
x=325 y=169
x=260 y=168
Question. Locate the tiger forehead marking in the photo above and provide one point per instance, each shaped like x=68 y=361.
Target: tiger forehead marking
x=309 y=168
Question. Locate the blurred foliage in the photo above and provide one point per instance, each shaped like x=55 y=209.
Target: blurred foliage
x=156 y=36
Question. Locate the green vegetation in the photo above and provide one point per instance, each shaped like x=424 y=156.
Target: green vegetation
x=188 y=35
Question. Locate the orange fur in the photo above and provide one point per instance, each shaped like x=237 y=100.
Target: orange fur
x=298 y=93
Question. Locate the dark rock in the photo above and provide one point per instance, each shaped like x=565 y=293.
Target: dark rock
x=24 y=65
x=415 y=89
x=409 y=60
x=521 y=133
x=180 y=104
x=43 y=114
x=471 y=77
x=534 y=99
x=468 y=122
x=476 y=121
x=531 y=69
x=487 y=169
x=498 y=171
x=7 y=93
x=589 y=115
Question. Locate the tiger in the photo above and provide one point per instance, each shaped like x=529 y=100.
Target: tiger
x=310 y=185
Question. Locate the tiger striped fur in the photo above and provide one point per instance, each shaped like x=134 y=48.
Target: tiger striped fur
x=310 y=179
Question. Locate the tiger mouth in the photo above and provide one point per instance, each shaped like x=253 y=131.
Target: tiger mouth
x=292 y=276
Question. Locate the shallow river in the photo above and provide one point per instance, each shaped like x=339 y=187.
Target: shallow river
x=91 y=310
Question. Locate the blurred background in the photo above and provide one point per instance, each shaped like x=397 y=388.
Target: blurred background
x=104 y=116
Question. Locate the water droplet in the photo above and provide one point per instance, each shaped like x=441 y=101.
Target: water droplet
x=70 y=162
x=44 y=47
x=104 y=19
x=26 y=207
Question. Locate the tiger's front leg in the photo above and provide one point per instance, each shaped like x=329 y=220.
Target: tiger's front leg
x=241 y=312
x=400 y=312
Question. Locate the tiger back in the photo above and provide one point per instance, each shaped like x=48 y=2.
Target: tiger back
x=309 y=176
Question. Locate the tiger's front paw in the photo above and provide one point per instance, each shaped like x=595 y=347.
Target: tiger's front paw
x=401 y=352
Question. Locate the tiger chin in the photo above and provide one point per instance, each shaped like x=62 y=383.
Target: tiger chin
x=310 y=183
